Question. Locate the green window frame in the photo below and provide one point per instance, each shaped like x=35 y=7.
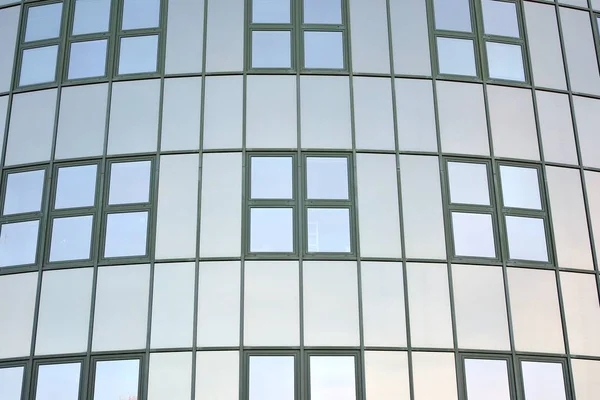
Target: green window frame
x=57 y=361
x=25 y=372
x=93 y=373
x=462 y=371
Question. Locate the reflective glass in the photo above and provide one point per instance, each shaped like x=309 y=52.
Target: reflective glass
x=272 y=230
x=87 y=59
x=11 y=383
x=520 y=187
x=271 y=11
x=126 y=234
x=116 y=380
x=138 y=54
x=43 y=22
x=500 y=18
x=271 y=378
x=58 y=381
x=452 y=15
x=505 y=61
x=543 y=380
x=139 y=14
x=327 y=178
x=473 y=235
x=271 y=49
x=271 y=178
x=322 y=12
x=332 y=377
x=468 y=183
x=526 y=239
x=18 y=243
x=71 y=238
x=38 y=65
x=76 y=186
x=487 y=379
x=456 y=56
x=91 y=16
x=129 y=182
x=323 y=50
x=24 y=192
x=328 y=230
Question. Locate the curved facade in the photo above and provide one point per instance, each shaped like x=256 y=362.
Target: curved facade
x=299 y=199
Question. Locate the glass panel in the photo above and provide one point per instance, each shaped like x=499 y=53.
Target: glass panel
x=505 y=61
x=473 y=235
x=526 y=239
x=328 y=230
x=543 y=381
x=452 y=15
x=271 y=178
x=138 y=54
x=324 y=50
x=18 y=243
x=138 y=14
x=500 y=18
x=116 y=380
x=91 y=16
x=43 y=22
x=327 y=178
x=11 y=383
x=76 y=187
x=487 y=379
x=272 y=230
x=468 y=183
x=87 y=59
x=126 y=234
x=520 y=187
x=38 y=65
x=332 y=377
x=322 y=12
x=24 y=192
x=129 y=182
x=456 y=57
x=271 y=378
x=271 y=11
x=58 y=381
x=271 y=49
x=71 y=238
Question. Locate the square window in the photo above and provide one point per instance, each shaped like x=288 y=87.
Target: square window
x=271 y=49
x=505 y=61
x=271 y=178
x=58 y=381
x=543 y=380
x=43 y=22
x=271 y=11
x=327 y=178
x=468 y=183
x=271 y=378
x=332 y=377
x=91 y=16
x=129 y=182
x=38 y=65
x=500 y=18
x=116 y=379
x=322 y=12
x=18 y=243
x=76 y=186
x=520 y=187
x=138 y=54
x=87 y=59
x=271 y=230
x=484 y=377
x=328 y=230
x=24 y=192
x=452 y=15
x=323 y=50
x=526 y=239
x=71 y=238
x=473 y=235
x=456 y=56
x=11 y=382
x=139 y=14
x=126 y=234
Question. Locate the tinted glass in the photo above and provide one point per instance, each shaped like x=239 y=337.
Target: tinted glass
x=332 y=378
x=271 y=11
x=129 y=182
x=87 y=59
x=543 y=381
x=43 y=22
x=505 y=61
x=526 y=239
x=520 y=187
x=71 y=238
x=271 y=49
x=76 y=187
x=500 y=18
x=271 y=378
x=91 y=16
x=126 y=234
x=456 y=56
x=18 y=243
x=38 y=65
x=24 y=192
x=138 y=54
x=328 y=230
x=487 y=379
x=272 y=178
x=452 y=15
x=323 y=12
x=116 y=380
x=11 y=383
x=473 y=235
x=58 y=381
x=327 y=178
x=138 y=14
x=323 y=50
x=272 y=230
x=468 y=183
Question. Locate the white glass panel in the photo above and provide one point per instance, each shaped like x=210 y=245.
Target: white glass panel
x=500 y=18
x=116 y=380
x=141 y=14
x=543 y=381
x=520 y=187
x=323 y=50
x=129 y=182
x=505 y=61
x=332 y=377
x=271 y=11
x=272 y=230
x=456 y=56
x=327 y=178
x=71 y=238
x=43 y=22
x=58 y=381
x=138 y=54
x=18 y=243
x=468 y=183
x=11 y=383
x=431 y=367
x=91 y=16
x=386 y=376
x=452 y=15
x=322 y=11
x=487 y=379
x=271 y=378
x=271 y=49
x=126 y=234
x=38 y=65
x=473 y=235
x=170 y=376
x=76 y=186
x=87 y=59
x=217 y=375
x=328 y=230
x=272 y=178
x=526 y=239
x=24 y=192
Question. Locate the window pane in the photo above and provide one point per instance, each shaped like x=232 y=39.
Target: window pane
x=138 y=54
x=456 y=57
x=24 y=192
x=129 y=182
x=543 y=381
x=526 y=239
x=271 y=49
x=71 y=238
x=43 y=22
x=116 y=380
x=505 y=61
x=322 y=11
x=11 y=383
x=487 y=379
x=452 y=15
x=87 y=59
x=38 y=65
x=332 y=377
x=271 y=178
x=76 y=187
x=271 y=378
x=500 y=18
x=328 y=230
x=58 y=381
x=91 y=16
x=271 y=11
x=323 y=50
x=520 y=187
x=139 y=14
x=272 y=230
x=327 y=178
x=126 y=234
x=468 y=183
x=473 y=235
x=18 y=243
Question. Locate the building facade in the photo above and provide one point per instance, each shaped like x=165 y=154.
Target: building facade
x=299 y=200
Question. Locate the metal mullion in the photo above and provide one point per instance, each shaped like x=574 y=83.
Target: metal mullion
x=40 y=43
